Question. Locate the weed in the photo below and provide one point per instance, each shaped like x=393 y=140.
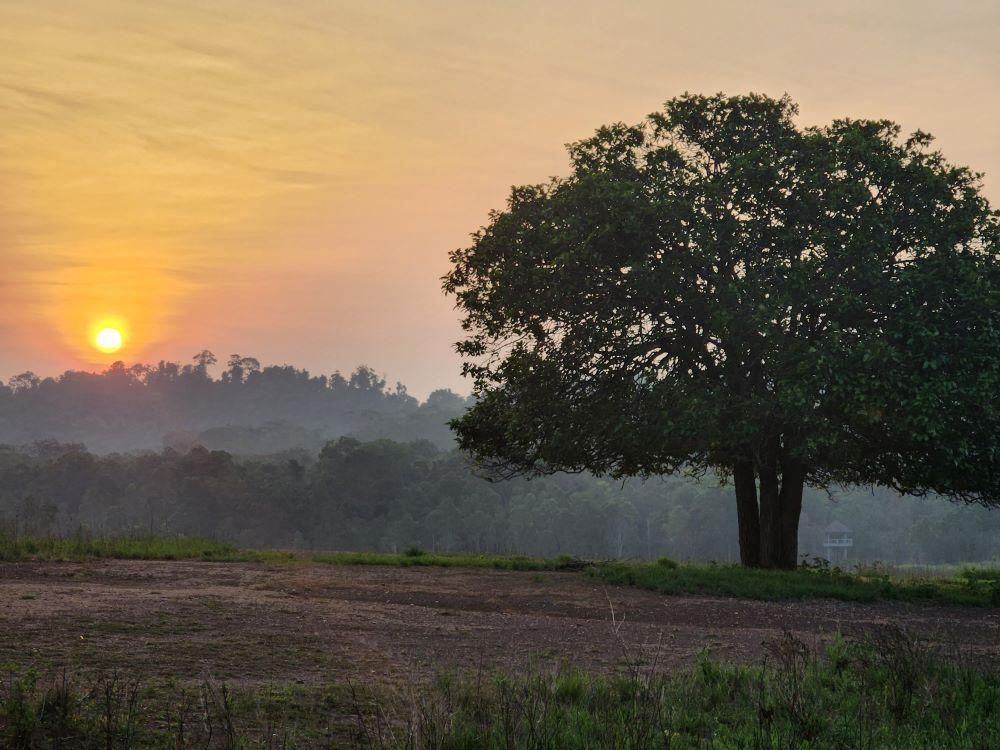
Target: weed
x=883 y=690
x=797 y=698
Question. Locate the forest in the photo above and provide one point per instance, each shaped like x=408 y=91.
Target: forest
x=275 y=456
x=390 y=496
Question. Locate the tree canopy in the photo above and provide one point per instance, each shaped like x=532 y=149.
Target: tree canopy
x=718 y=288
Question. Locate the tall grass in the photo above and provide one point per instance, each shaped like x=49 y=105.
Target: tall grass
x=118 y=710
x=884 y=692
x=887 y=692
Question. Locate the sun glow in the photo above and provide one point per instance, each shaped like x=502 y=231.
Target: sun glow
x=109 y=340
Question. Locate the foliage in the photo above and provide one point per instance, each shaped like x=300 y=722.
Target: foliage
x=716 y=288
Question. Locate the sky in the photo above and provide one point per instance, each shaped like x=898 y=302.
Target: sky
x=285 y=179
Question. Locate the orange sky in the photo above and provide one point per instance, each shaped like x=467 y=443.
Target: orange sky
x=285 y=179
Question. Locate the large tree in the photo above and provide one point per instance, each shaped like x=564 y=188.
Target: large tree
x=719 y=289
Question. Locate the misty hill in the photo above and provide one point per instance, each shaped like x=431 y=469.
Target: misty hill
x=248 y=409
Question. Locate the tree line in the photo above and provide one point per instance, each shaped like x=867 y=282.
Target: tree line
x=389 y=496
x=248 y=409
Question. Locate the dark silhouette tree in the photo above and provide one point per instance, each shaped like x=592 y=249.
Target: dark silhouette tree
x=234 y=370
x=239 y=368
x=716 y=288
x=203 y=360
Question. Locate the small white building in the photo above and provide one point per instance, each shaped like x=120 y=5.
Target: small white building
x=837 y=541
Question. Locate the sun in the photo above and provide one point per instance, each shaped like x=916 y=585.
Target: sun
x=109 y=340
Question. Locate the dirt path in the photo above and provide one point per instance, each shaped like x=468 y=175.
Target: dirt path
x=318 y=622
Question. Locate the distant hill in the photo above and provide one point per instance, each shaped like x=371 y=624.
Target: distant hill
x=248 y=409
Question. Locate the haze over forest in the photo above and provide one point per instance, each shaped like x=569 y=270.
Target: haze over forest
x=275 y=456
x=246 y=409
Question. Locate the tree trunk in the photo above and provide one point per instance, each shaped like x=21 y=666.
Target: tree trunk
x=769 y=527
x=772 y=553
x=780 y=507
x=792 y=480
x=747 y=513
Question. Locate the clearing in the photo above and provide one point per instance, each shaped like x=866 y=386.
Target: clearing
x=307 y=623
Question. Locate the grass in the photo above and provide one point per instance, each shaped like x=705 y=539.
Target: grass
x=116 y=710
x=140 y=547
x=81 y=547
x=886 y=692
x=981 y=588
x=965 y=586
x=498 y=562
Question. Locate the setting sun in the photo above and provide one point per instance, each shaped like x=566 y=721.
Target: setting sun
x=108 y=340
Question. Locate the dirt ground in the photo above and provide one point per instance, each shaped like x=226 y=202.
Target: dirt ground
x=323 y=623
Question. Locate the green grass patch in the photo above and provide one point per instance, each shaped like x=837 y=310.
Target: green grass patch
x=433 y=559
x=803 y=583
x=85 y=547
x=142 y=547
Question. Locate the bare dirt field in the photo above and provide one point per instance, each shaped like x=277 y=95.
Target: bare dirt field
x=307 y=623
